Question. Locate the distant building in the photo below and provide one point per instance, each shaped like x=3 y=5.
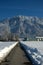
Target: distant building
x=39 y=38
x=21 y=39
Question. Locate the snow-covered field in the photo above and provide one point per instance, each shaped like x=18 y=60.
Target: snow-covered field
x=5 y=48
x=34 y=50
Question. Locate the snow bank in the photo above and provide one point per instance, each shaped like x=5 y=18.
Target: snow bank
x=5 y=48
x=34 y=50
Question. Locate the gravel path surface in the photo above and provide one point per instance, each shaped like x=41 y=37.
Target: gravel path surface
x=16 y=57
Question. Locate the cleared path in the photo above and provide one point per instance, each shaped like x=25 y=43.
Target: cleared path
x=16 y=57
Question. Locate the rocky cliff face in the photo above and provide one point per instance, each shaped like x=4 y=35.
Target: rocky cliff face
x=23 y=26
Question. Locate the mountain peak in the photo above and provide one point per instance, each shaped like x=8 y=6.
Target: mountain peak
x=24 y=26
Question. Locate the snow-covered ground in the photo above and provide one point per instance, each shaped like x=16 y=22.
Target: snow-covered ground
x=5 y=48
x=34 y=50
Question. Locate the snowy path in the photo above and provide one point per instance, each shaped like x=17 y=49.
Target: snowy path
x=5 y=48
x=16 y=57
x=34 y=50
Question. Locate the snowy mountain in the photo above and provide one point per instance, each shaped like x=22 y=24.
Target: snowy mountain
x=23 y=26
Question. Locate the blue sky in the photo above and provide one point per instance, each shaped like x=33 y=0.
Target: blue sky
x=10 y=8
